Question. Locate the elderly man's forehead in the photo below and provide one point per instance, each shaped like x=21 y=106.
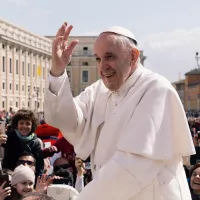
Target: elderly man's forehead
x=106 y=36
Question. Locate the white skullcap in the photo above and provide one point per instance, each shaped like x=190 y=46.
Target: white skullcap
x=121 y=31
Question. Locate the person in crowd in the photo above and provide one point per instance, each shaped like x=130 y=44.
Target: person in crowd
x=27 y=159
x=195 y=182
x=62 y=168
x=22 y=182
x=131 y=121
x=22 y=138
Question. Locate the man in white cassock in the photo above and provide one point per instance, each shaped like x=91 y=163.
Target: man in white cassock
x=131 y=121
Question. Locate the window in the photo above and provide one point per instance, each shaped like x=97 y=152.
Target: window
x=3 y=104
x=69 y=75
x=3 y=46
x=17 y=87
x=16 y=104
x=28 y=69
x=10 y=65
x=10 y=86
x=23 y=69
x=22 y=87
x=85 y=63
x=17 y=71
x=84 y=76
x=3 y=64
x=33 y=70
x=85 y=48
x=3 y=86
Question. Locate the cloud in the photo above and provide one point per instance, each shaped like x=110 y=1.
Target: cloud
x=20 y=3
x=172 y=53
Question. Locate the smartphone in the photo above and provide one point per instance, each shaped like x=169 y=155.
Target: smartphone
x=5 y=177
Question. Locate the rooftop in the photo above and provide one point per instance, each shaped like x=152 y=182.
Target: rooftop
x=195 y=71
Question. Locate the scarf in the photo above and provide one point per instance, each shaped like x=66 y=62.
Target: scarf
x=24 y=138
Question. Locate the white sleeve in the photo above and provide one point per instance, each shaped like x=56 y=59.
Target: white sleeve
x=79 y=185
x=123 y=177
x=60 y=108
x=55 y=83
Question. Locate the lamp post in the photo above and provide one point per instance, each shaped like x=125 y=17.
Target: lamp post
x=197 y=57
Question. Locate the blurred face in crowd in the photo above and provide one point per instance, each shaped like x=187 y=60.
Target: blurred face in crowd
x=24 y=188
x=24 y=127
x=27 y=161
x=195 y=181
x=115 y=61
x=62 y=165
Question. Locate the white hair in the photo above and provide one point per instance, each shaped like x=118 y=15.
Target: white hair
x=126 y=43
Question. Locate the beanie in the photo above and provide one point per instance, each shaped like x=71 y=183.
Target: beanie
x=22 y=173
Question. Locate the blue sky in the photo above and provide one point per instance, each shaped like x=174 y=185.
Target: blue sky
x=167 y=31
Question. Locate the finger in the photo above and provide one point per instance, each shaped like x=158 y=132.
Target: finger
x=49 y=180
x=61 y=30
x=44 y=178
x=38 y=179
x=56 y=43
x=2 y=185
x=68 y=51
x=55 y=148
x=67 y=32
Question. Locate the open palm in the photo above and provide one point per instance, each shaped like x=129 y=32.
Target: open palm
x=61 y=51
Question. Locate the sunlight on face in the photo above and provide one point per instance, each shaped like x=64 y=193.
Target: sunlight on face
x=113 y=60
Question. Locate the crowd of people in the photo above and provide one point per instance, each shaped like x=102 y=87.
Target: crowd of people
x=29 y=167
x=29 y=164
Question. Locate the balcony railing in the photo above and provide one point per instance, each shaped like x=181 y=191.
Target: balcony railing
x=82 y=54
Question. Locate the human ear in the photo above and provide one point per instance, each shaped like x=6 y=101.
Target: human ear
x=135 y=55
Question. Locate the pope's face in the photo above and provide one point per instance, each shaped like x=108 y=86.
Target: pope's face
x=114 y=61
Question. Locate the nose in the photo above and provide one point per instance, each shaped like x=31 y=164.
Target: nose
x=103 y=65
x=197 y=176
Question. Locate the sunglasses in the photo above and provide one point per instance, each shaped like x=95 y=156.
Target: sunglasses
x=65 y=166
x=28 y=162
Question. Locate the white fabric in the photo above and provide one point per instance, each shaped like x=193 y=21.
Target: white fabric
x=120 y=31
x=144 y=123
x=79 y=185
x=62 y=192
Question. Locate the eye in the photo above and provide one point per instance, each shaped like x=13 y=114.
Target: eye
x=108 y=57
x=98 y=59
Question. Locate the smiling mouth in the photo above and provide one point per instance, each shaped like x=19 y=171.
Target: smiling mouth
x=109 y=75
x=197 y=183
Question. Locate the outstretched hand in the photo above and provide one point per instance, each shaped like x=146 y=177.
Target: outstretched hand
x=61 y=50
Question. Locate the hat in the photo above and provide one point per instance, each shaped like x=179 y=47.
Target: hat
x=22 y=173
x=121 y=31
